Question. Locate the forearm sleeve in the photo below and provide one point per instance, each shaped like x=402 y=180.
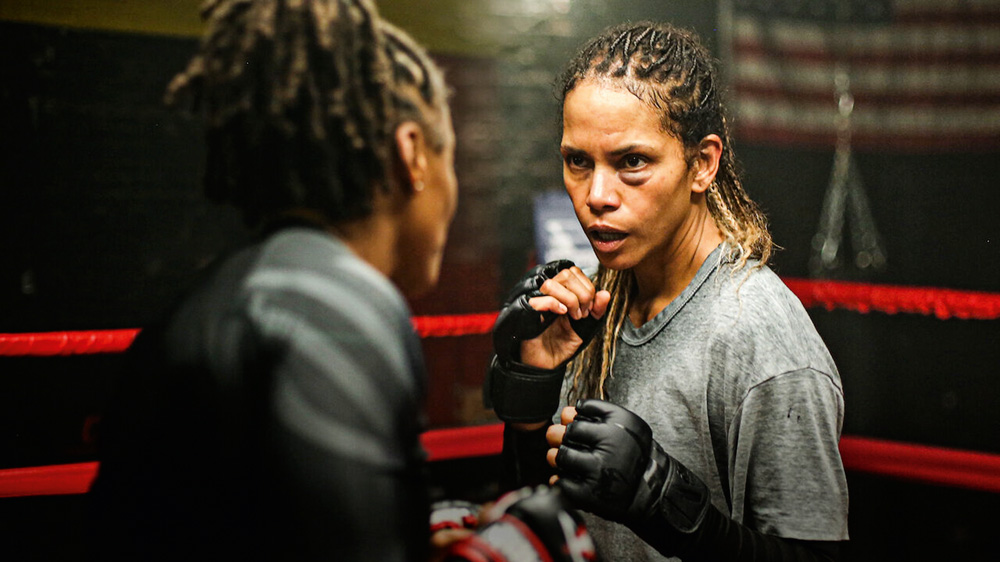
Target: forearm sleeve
x=523 y=458
x=721 y=538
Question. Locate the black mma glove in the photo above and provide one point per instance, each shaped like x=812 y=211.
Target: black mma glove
x=519 y=392
x=527 y=525
x=610 y=465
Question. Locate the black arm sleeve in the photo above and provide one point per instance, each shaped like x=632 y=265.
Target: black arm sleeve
x=720 y=538
x=523 y=458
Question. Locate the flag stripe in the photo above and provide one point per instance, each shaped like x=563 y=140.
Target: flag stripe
x=976 y=119
x=892 y=143
x=960 y=52
x=953 y=11
x=876 y=79
x=788 y=37
x=913 y=99
x=925 y=77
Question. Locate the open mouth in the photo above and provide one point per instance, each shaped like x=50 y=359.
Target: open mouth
x=606 y=241
x=607 y=235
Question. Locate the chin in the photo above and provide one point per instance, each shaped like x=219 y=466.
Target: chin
x=417 y=287
x=616 y=262
x=420 y=282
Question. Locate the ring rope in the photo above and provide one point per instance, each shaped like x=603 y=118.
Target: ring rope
x=48 y=344
x=922 y=463
x=892 y=299
x=858 y=297
x=905 y=461
x=88 y=342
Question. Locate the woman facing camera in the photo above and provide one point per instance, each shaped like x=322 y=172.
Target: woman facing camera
x=706 y=409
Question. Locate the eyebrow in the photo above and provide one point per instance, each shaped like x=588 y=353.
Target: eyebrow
x=567 y=149
x=570 y=150
x=627 y=149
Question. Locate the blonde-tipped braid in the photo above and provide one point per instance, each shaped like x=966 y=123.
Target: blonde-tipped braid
x=599 y=355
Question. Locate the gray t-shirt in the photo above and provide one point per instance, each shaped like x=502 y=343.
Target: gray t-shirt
x=737 y=385
x=275 y=415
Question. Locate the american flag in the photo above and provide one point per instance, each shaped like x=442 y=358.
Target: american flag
x=923 y=75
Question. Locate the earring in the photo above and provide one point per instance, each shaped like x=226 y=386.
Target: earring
x=418 y=185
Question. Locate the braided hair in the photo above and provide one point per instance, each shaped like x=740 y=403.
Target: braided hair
x=301 y=98
x=668 y=69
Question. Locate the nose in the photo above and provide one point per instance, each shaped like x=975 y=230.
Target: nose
x=603 y=195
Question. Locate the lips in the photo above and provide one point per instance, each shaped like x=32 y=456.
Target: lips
x=605 y=239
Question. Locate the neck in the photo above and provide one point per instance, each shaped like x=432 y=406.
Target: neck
x=661 y=279
x=373 y=239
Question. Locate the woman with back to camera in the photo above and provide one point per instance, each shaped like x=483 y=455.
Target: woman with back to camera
x=275 y=413
x=708 y=409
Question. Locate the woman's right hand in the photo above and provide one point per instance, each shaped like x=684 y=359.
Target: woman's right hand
x=570 y=295
x=552 y=311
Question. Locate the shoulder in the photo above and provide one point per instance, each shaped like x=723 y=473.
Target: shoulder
x=314 y=263
x=760 y=329
x=291 y=266
x=298 y=293
x=315 y=276
x=310 y=282
x=754 y=292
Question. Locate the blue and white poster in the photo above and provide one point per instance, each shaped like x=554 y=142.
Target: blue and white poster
x=558 y=234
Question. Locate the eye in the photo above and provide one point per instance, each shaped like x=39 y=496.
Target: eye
x=576 y=161
x=633 y=161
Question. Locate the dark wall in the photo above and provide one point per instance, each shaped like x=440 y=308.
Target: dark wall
x=103 y=223
x=103 y=215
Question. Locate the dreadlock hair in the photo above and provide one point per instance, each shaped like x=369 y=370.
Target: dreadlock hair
x=301 y=99
x=668 y=69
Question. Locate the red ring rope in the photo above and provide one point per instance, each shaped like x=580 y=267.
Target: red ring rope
x=906 y=461
x=463 y=325
x=892 y=299
x=87 y=342
x=859 y=297
x=967 y=469
x=46 y=344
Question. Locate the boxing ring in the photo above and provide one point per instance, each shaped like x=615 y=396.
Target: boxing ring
x=905 y=461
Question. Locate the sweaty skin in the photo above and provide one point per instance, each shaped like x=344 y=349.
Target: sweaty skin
x=639 y=197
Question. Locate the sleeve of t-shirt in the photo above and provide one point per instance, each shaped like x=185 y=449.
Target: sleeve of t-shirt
x=788 y=478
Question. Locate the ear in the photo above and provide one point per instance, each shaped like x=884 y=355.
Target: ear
x=706 y=163
x=411 y=148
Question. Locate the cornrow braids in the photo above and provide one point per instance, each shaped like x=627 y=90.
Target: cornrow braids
x=422 y=92
x=667 y=68
x=301 y=98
